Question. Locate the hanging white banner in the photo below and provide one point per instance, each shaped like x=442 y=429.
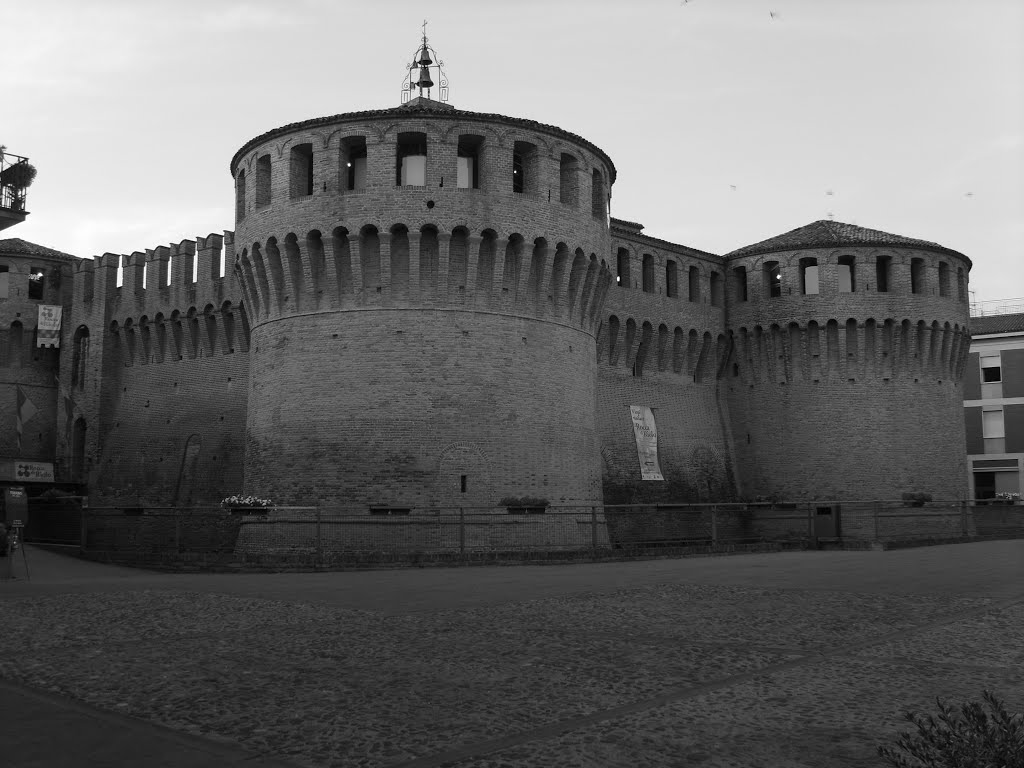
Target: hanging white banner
x=48 y=325
x=646 y=433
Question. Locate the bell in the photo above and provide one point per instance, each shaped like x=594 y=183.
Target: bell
x=424 y=81
x=424 y=57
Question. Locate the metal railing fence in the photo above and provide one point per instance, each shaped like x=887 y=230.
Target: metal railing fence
x=325 y=534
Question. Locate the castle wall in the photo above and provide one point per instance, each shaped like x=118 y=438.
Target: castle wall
x=662 y=345
x=157 y=376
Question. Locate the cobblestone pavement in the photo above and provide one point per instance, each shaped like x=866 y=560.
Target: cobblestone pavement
x=670 y=673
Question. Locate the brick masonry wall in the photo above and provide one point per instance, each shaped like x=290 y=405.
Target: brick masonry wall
x=393 y=406
x=25 y=364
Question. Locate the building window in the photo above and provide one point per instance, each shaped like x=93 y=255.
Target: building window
x=808 y=275
x=740 y=275
x=961 y=285
x=993 y=430
x=693 y=284
x=716 y=289
x=648 y=273
x=468 y=169
x=524 y=167
x=353 y=158
x=671 y=279
x=37 y=283
x=943 y=279
x=301 y=168
x=411 y=160
x=568 y=180
x=847 y=273
x=917 y=275
x=991 y=368
x=772 y=279
x=883 y=267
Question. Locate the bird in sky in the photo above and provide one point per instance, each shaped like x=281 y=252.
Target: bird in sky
x=732 y=187
x=828 y=192
x=773 y=15
x=969 y=194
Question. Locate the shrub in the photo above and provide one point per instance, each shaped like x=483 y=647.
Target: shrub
x=916 y=499
x=969 y=738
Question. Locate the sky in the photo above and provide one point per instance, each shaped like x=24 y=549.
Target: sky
x=729 y=121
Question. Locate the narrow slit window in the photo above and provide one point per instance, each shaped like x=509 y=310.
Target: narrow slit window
x=693 y=284
x=917 y=275
x=240 y=195
x=648 y=273
x=597 y=201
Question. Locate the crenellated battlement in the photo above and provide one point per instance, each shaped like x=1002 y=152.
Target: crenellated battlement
x=191 y=274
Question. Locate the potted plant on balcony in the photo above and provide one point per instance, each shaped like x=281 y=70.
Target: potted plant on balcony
x=19 y=175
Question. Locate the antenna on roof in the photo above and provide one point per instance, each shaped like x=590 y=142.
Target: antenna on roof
x=419 y=72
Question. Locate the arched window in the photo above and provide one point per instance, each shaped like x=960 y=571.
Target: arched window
x=917 y=275
x=943 y=279
x=263 y=181
x=740 y=281
x=694 y=284
x=716 y=289
x=671 y=279
x=411 y=160
x=568 y=180
x=809 y=275
x=524 y=167
x=301 y=170
x=468 y=170
x=648 y=273
x=847 y=274
x=79 y=356
x=772 y=279
x=353 y=163
x=240 y=195
x=622 y=268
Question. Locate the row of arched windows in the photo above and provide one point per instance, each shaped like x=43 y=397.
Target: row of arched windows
x=401 y=266
x=181 y=336
x=853 y=348
x=694 y=353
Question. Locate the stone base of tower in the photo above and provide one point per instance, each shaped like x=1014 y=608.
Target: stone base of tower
x=421 y=408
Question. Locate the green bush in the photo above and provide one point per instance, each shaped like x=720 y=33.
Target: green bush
x=969 y=738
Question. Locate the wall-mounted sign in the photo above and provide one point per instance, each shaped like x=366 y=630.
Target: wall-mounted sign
x=27 y=471
x=646 y=433
x=48 y=325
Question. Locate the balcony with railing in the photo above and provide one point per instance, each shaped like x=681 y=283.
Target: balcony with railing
x=16 y=175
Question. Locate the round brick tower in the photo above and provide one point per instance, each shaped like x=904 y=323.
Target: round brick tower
x=424 y=287
x=848 y=350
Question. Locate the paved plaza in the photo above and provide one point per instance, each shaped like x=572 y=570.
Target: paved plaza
x=775 y=660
